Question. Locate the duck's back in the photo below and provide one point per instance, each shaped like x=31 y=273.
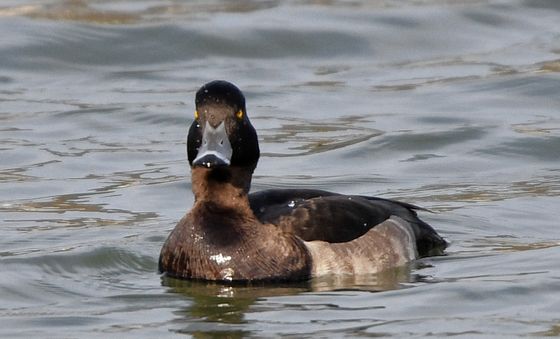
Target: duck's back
x=315 y=215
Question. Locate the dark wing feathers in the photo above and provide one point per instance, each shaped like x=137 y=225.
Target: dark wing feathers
x=332 y=217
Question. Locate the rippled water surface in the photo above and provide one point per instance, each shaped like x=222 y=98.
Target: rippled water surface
x=451 y=105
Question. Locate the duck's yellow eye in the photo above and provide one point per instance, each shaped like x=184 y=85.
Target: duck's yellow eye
x=196 y=114
x=239 y=114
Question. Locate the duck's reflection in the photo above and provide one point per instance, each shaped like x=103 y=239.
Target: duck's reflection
x=227 y=303
x=390 y=279
x=220 y=309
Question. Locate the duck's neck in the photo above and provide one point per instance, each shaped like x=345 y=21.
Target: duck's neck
x=223 y=188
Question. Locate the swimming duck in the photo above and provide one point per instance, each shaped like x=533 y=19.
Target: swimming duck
x=230 y=235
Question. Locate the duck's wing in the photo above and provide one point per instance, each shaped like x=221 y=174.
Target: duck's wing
x=334 y=218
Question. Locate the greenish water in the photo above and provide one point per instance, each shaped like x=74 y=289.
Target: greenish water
x=451 y=105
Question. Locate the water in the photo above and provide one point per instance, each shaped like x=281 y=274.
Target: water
x=452 y=105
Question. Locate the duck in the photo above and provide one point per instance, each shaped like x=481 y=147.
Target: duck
x=276 y=235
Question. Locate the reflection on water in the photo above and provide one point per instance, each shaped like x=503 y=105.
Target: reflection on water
x=214 y=305
x=450 y=105
x=509 y=244
x=222 y=303
x=74 y=10
x=310 y=137
x=547 y=185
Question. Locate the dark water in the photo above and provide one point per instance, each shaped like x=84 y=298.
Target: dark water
x=452 y=105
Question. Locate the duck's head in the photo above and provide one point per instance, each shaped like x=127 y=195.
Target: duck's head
x=221 y=134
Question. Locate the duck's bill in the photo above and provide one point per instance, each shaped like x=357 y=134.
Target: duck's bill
x=215 y=149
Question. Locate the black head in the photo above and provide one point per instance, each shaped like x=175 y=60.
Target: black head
x=221 y=134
